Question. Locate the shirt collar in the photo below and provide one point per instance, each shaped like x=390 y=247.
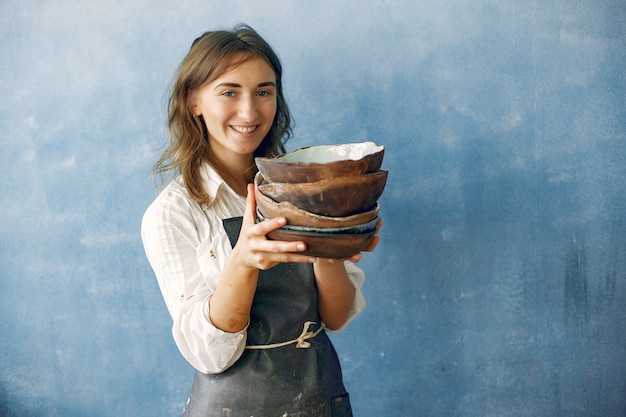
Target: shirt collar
x=212 y=182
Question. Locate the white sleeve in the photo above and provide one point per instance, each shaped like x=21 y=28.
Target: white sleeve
x=172 y=247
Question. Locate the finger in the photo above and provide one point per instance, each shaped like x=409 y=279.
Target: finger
x=281 y=246
x=371 y=245
x=355 y=258
x=249 y=215
x=300 y=258
x=269 y=225
x=368 y=248
x=287 y=257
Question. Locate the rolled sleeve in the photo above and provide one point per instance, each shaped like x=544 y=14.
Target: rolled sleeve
x=207 y=348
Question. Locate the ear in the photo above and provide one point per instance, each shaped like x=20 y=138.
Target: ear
x=193 y=106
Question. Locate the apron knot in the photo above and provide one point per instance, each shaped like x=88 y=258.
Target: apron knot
x=306 y=334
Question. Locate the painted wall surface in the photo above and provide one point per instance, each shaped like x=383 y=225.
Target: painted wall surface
x=499 y=288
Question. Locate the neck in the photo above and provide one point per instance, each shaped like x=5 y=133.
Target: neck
x=233 y=172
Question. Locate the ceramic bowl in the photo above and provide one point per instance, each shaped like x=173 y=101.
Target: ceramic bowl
x=269 y=208
x=332 y=197
x=324 y=245
x=315 y=163
x=344 y=230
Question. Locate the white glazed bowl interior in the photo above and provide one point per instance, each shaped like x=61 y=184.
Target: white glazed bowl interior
x=323 y=154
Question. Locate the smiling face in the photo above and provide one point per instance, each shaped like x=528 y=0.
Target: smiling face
x=238 y=109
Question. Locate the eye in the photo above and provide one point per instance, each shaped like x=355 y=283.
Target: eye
x=264 y=93
x=228 y=93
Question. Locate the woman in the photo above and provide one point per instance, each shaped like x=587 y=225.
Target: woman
x=248 y=313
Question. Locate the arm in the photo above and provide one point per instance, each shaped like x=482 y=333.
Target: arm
x=335 y=292
x=209 y=304
x=172 y=240
x=229 y=307
x=338 y=288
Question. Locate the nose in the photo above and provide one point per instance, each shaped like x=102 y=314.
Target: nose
x=247 y=109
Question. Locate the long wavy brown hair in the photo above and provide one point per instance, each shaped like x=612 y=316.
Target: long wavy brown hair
x=209 y=57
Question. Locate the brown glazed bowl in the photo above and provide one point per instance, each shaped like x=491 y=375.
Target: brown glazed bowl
x=333 y=197
x=315 y=163
x=296 y=216
x=336 y=246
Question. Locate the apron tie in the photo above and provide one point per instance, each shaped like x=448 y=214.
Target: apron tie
x=300 y=341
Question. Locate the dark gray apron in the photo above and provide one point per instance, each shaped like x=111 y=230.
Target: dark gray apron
x=282 y=381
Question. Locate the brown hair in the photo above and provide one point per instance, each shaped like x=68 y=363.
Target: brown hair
x=209 y=57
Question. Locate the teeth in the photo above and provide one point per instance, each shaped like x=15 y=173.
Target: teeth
x=243 y=129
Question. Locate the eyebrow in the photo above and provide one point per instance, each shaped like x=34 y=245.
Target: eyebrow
x=235 y=85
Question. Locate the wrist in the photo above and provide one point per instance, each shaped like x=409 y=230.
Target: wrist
x=324 y=267
x=239 y=263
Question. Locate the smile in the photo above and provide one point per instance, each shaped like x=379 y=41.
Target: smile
x=244 y=129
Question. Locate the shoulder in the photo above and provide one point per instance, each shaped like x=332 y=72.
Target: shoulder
x=172 y=196
x=172 y=202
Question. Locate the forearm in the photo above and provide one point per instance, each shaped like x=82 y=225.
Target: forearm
x=335 y=292
x=229 y=306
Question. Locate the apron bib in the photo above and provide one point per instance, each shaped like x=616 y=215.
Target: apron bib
x=289 y=367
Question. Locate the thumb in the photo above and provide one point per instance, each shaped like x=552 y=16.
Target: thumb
x=249 y=216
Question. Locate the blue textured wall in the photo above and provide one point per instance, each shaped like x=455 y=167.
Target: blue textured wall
x=499 y=288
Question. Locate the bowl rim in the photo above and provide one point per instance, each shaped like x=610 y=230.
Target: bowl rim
x=357 y=229
x=329 y=236
x=287 y=158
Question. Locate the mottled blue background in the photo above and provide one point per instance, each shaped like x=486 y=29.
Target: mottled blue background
x=499 y=288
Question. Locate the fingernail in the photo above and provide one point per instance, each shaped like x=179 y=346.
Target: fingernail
x=312 y=260
x=281 y=221
x=301 y=246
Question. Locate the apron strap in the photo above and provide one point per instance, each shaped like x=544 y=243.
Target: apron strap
x=300 y=341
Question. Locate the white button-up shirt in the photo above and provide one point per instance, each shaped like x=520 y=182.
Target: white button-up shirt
x=187 y=247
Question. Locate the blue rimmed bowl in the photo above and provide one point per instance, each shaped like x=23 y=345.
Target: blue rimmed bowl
x=327 y=242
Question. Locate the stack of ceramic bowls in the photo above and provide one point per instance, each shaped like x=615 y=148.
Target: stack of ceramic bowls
x=328 y=194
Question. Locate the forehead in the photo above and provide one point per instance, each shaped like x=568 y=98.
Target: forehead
x=252 y=65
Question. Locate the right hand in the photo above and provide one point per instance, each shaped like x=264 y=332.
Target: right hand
x=255 y=250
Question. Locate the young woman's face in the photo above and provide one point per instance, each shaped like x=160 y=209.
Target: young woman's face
x=238 y=108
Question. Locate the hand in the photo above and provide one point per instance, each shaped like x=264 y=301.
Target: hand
x=255 y=250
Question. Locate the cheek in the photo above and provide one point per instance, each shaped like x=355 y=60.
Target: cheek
x=270 y=112
x=216 y=114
